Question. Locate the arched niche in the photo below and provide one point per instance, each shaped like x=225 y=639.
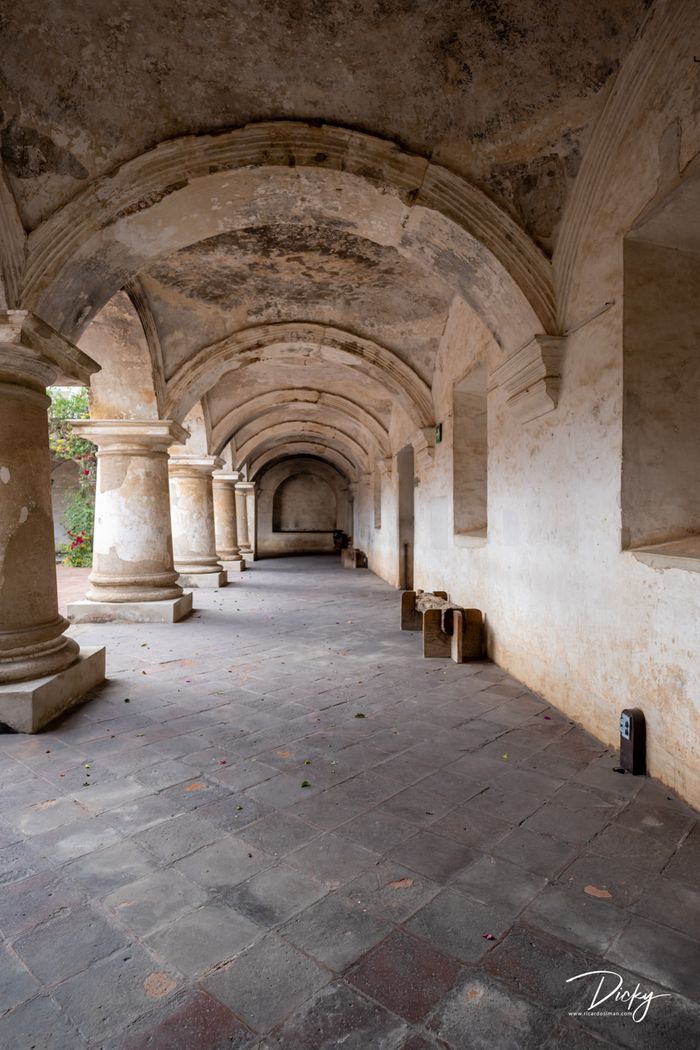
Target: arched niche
x=301 y=501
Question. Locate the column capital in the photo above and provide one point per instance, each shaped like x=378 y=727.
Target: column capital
x=227 y=477
x=37 y=355
x=246 y=486
x=194 y=466
x=130 y=435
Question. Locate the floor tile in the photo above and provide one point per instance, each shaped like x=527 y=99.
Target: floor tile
x=204 y=938
x=335 y=932
x=267 y=983
x=154 y=901
x=338 y=1009
x=391 y=891
x=460 y=925
x=405 y=975
x=274 y=895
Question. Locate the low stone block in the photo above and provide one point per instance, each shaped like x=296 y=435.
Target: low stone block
x=168 y=611
x=234 y=566
x=29 y=706
x=203 y=579
x=353 y=558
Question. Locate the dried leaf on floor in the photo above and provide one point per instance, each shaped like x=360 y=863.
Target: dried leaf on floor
x=594 y=891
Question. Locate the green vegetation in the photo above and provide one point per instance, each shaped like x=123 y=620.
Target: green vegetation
x=79 y=517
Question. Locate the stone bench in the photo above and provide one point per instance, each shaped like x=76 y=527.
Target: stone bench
x=353 y=558
x=448 y=629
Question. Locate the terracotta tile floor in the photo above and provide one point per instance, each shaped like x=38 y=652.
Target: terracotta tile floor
x=278 y=826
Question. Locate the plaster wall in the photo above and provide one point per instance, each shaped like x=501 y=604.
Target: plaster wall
x=580 y=620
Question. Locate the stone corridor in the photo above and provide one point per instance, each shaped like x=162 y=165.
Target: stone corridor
x=278 y=826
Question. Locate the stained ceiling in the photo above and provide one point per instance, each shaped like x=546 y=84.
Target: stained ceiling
x=501 y=92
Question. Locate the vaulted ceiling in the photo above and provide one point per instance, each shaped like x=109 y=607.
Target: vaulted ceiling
x=299 y=190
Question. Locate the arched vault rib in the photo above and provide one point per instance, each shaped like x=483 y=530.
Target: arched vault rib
x=284 y=432
x=317 y=448
x=191 y=188
x=237 y=419
x=303 y=422
x=299 y=339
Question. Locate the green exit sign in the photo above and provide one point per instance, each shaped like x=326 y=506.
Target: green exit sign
x=438 y=433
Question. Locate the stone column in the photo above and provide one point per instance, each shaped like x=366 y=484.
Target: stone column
x=225 y=523
x=133 y=577
x=42 y=673
x=245 y=491
x=192 y=514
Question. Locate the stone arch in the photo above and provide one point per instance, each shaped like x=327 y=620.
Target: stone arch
x=227 y=428
x=299 y=340
x=190 y=188
x=316 y=447
x=300 y=431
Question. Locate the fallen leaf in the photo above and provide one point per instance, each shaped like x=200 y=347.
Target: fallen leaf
x=196 y=786
x=360 y=715
x=488 y=937
x=157 y=985
x=594 y=891
x=283 y=754
x=306 y=784
x=504 y=755
x=400 y=884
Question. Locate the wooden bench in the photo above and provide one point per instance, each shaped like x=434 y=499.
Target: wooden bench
x=448 y=629
x=353 y=558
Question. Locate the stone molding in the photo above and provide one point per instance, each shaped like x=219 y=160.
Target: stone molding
x=194 y=466
x=13 y=245
x=531 y=377
x=423 y=441
x=35 y=353
x=642 y=79
x=125 y=435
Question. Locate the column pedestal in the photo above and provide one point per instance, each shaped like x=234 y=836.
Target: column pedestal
x=133 y=578
x=42 y=672
x=192 y=512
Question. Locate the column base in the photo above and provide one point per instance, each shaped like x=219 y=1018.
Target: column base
x=203 y=579
x=248 y=555
x=29 y=706
x=168 y=611
x=233 y=566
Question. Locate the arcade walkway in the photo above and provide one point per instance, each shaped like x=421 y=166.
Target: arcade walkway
x=278 y=826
